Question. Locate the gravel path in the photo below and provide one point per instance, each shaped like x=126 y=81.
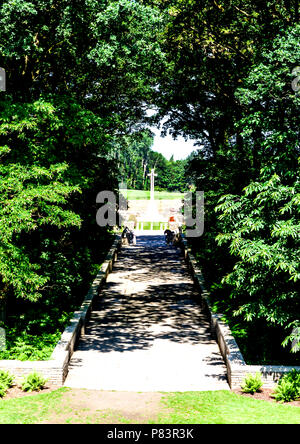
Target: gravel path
x=147 y=331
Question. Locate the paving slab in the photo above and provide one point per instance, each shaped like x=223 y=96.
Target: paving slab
x=147 y=331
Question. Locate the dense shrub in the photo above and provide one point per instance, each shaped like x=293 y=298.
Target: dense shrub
x=288 y=387
x=33 y=382
x=3 y=390
x=26 y=347
x=252 y=383
x=6 y=381
x=6 y=378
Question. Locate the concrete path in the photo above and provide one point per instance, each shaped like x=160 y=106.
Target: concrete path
x=147 y=331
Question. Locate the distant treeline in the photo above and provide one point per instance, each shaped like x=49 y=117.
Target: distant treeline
x=136 y=159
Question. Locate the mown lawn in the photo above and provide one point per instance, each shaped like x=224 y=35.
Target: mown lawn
x=159 y=195
x=220 y=407
x=225 y=407
x=30 y=409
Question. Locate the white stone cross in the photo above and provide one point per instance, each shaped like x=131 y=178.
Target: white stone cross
x=152 y=175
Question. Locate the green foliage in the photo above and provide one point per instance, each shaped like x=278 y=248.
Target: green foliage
x=264 y=233
x=6 y=381
x=293 y=376
x=27 y=347
x=262 y=228
x=3 y=390
x=6 y=378
x=252 y=173
x=252 y=383
x=136 y=159
x=78 y=80
x=294 y=337
x=285 y=392
x=33 y=382
x=288 y=387
x=30 y=198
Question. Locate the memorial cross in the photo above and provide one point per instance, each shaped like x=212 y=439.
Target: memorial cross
x=152 y=175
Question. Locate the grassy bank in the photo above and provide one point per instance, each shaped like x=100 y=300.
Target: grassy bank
x=221 y=407
x=225 y=407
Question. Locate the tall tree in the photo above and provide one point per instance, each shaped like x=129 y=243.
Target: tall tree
x=228 y=86
x=79 y=77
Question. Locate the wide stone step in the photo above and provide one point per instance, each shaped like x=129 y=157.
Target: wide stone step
x=147 y=331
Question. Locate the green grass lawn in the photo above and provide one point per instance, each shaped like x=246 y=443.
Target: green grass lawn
x=30 y=409
x=220 y=407
x=159 y=195
x=225 y=407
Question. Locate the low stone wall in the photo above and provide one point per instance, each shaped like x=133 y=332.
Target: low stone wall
x=237 y=368
x=56 y=368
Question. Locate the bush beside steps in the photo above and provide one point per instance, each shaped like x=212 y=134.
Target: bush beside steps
x=287 y=389
x=32 y=382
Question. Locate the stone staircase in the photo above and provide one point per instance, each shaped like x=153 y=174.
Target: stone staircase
x=147 y=331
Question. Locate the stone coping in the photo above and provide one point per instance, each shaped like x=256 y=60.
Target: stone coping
x=237 y=368
x=56 y=368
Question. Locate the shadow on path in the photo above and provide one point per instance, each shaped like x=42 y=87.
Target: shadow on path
x=149 y=304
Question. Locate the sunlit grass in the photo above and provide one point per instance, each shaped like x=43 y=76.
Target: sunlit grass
x=224 y=407
x=211 y=407
x=159 y=195
x=30 y=409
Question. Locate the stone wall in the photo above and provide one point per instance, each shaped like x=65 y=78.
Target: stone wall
x=237 y=368
x=56 y=369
